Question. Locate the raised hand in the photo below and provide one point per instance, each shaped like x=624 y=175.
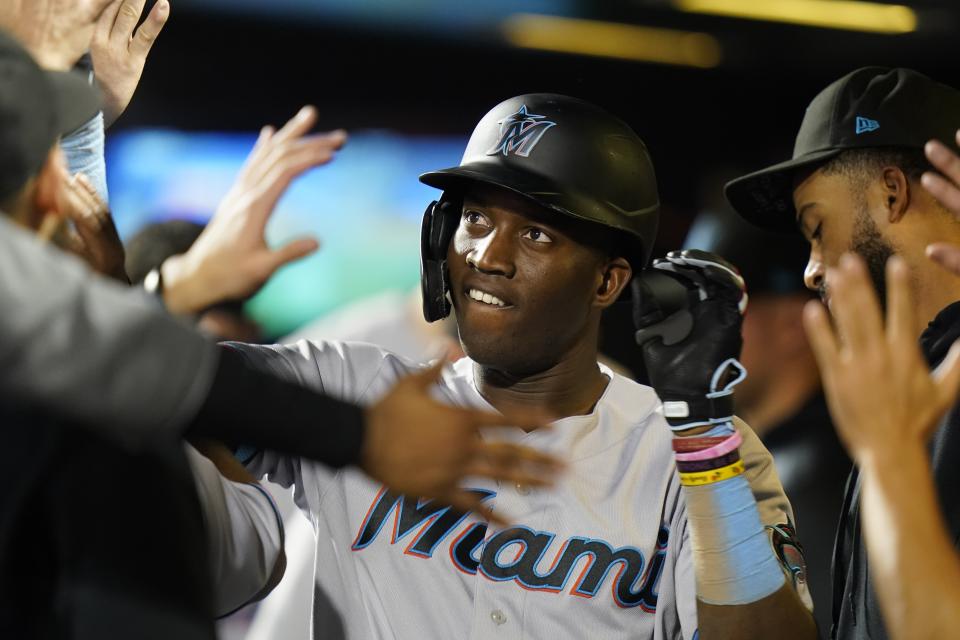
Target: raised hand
x=420 y=447
x=119 y=50
x=945 y=187
x=692 y=355
x=55 y=32
x=881 y=393
x=231 y=260
x=95 y=237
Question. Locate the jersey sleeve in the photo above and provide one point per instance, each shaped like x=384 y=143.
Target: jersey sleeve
x=685 y=583
x=244 y=534
x=776 y=514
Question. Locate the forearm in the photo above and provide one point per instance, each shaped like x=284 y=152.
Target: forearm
x=241 y=409
x=780 y=615
x=914 y=565
x=743 y=590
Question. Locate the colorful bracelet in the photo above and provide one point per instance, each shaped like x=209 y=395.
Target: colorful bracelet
x=710 y=477
x=689 y=445
x=716 y=451
x=709 y=465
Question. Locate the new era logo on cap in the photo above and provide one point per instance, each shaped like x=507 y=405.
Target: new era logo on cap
x=866 y=124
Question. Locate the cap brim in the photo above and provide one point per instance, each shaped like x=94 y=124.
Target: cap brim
x=521 y=182
x=765 y=198
x=77 y=100
x=527 y=184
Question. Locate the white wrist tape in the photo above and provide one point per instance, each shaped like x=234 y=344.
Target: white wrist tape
x=733 y=559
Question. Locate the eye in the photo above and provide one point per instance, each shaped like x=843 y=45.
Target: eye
x=476 y=218
x=537 y=235
x=817 y=232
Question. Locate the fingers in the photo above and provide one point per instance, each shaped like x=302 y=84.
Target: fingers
x=275 y=173
x=424 y=378
x=510 y=475
x=899 y=307
x=147 y=34
x=298 y=125
x=466 y=501
x=823 y=342
x=526 y=419
x=854 y=305
x=507 y=456
x=127 y=18
x=288 y=253
x=946 y=255
x=945 y=188
x=107 y=20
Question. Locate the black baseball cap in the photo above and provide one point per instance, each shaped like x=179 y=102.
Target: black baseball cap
x=868 y=108
x=36 y=108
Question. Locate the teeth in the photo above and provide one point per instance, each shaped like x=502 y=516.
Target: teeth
x=486 y=298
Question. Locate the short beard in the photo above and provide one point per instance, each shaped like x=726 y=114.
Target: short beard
x=869 y=244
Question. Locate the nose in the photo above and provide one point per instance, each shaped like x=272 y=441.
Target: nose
x=493 y=255
x=814 y=273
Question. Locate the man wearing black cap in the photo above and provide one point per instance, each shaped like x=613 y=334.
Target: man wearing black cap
x=853 y=185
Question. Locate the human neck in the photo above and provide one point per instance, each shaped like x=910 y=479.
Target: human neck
x=571 y=387
x=784 y=395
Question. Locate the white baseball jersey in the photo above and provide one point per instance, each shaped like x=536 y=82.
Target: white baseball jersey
x=604 y=554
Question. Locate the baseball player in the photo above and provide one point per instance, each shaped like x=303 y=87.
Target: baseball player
x=538 y=230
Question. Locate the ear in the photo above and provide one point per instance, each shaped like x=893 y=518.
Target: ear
x=616 y=275
x=896 y=193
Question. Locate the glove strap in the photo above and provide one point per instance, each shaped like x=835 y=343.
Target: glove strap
x=716 y=407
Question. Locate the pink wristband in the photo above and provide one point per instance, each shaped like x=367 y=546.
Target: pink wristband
x=715 y=451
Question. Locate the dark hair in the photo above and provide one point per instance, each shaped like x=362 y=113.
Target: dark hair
x=860 y=165
x=156 y=242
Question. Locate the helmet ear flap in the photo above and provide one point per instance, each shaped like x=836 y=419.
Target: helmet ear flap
x=439 y=224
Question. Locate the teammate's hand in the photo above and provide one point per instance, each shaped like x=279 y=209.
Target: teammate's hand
x=945 y=187
x=420 y=447
x=119 y=50
x=699 y=364
x=55 y=32
x=231 y=260
x=83 y=225
x=880 y=390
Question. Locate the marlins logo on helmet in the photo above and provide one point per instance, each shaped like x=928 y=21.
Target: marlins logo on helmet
x=520 y=132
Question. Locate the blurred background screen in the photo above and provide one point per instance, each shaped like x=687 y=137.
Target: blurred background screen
x=365 y=208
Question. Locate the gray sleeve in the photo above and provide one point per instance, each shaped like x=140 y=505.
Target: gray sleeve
x=244 y=534
x=89 y=349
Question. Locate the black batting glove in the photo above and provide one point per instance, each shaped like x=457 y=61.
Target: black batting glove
x=691 y=356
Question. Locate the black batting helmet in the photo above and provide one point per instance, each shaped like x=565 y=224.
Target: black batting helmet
x=567 y=155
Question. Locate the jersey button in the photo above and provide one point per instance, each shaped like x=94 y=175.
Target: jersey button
x=498 y=616
x=522 y=489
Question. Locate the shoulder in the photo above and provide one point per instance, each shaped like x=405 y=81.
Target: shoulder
x=633 y=402
x=346 y=370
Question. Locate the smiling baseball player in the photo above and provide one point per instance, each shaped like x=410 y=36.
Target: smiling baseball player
x=538 y=230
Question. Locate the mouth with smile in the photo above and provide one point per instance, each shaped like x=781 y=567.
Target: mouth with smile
x=486 y=298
